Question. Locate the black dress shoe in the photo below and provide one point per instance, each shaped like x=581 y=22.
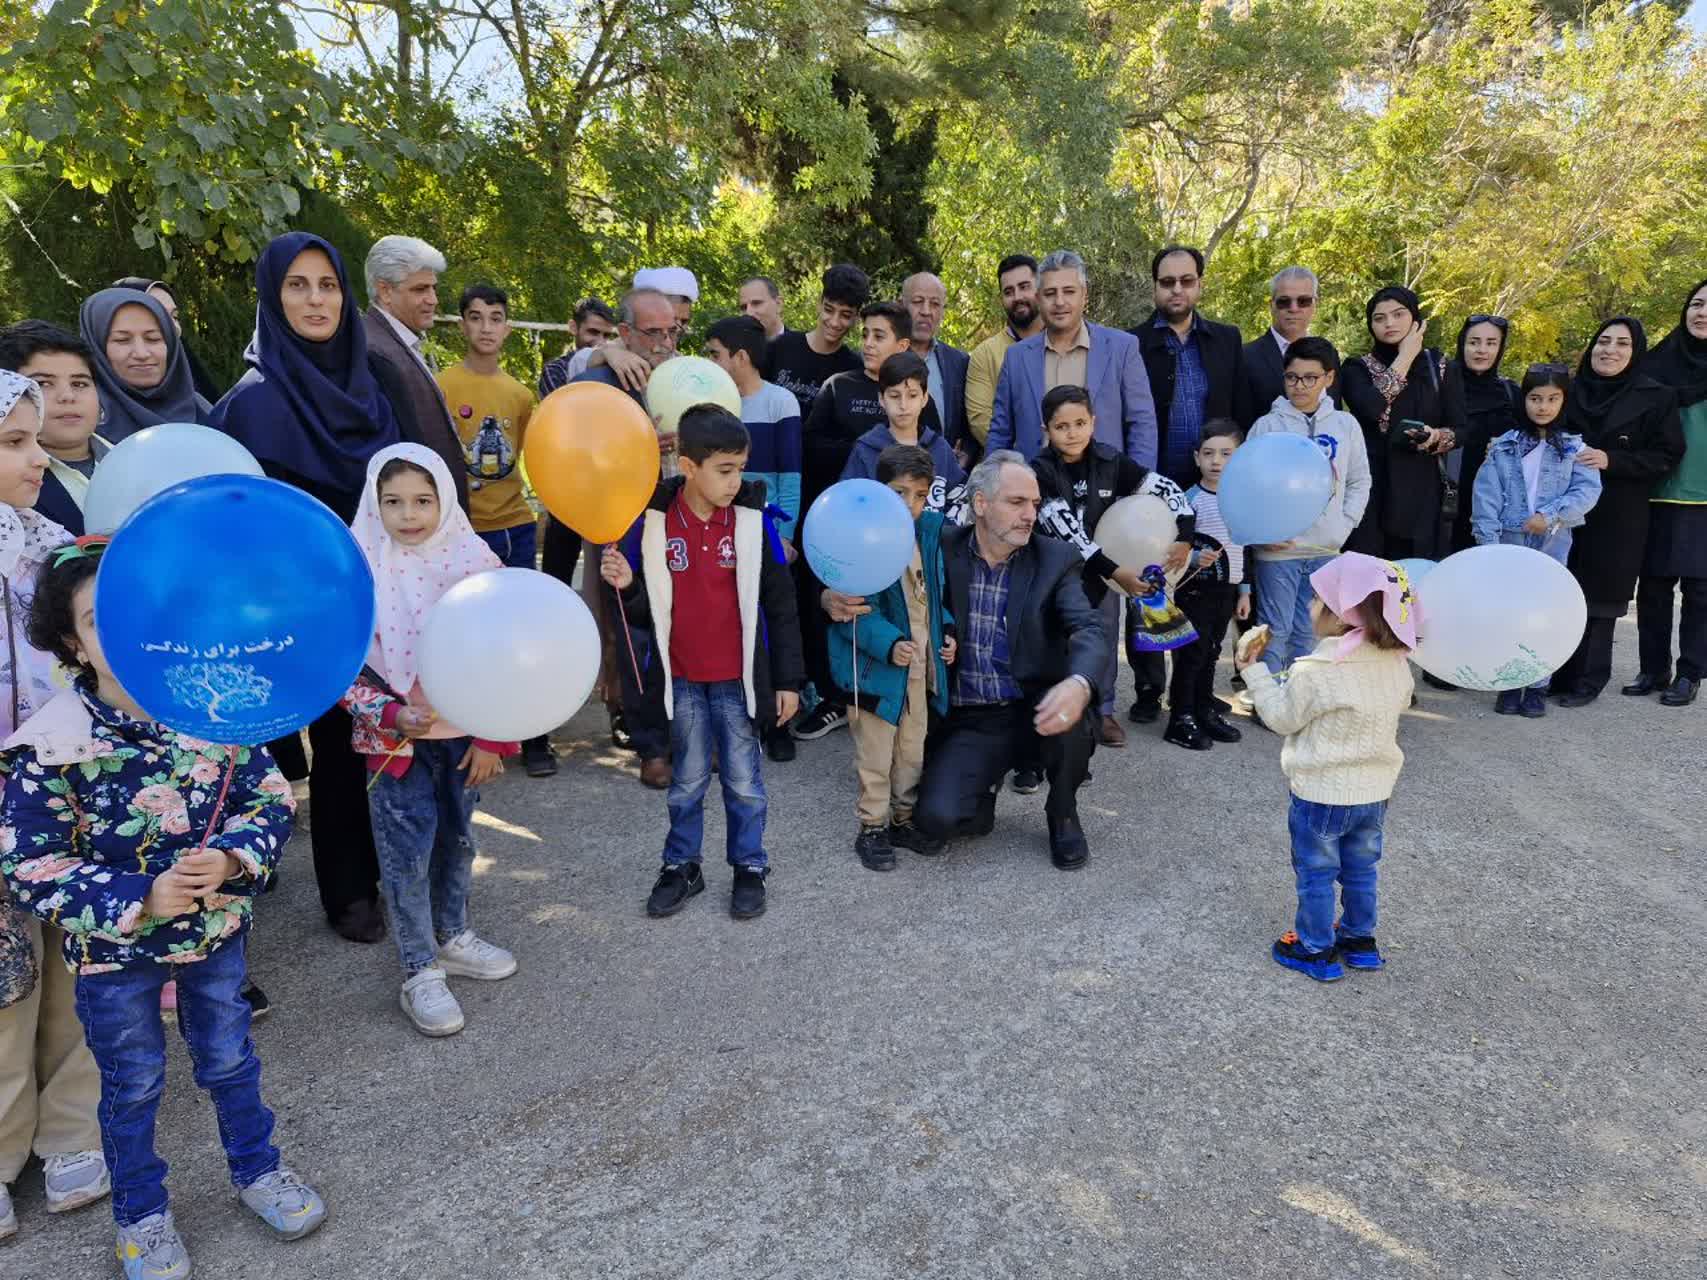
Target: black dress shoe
x=1438 y=683
x=1068 y=848
x=1579 y=697
x=1681 y=693
x=1184 y=731
x=1645 y=684
x=984 y=819
x=1217 y=726
x=1147 y=710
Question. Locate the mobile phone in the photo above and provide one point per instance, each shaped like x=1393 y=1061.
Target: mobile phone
x=1413 y=429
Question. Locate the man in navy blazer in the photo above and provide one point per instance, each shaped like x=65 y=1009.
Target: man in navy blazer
x=925 y=298
x=1106 y=362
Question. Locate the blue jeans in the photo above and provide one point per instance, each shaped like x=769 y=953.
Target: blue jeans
x=514 y=546
x=1335 y=842
x=707 y=715
x=421 y=831
x=120 y=1012
x=1284 y=596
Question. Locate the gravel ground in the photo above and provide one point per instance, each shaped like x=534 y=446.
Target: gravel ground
x=978 y=1066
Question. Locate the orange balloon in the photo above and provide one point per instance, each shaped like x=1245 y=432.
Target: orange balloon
x=592 y=454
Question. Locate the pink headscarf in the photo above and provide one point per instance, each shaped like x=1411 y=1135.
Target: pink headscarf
x=408 y=581
x=1348 y=580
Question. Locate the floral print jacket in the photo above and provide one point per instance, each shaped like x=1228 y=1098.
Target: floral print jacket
x=96 y=805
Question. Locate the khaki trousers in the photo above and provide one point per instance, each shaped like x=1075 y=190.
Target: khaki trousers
x=891 y=757
x=49 y=1084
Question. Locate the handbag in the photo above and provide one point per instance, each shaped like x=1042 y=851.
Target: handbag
x=19 y=968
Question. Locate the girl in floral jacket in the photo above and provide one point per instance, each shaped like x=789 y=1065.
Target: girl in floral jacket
x=427 y=770
x=111 y=829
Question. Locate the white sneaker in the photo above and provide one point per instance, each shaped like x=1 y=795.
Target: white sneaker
x=8 y=1216
x=466 y=956
x=74 y=1179
x=430 y=1005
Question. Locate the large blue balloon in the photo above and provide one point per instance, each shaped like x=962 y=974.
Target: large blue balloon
x=858 y=537
x=1417 y=568
x=1274 y=488
x=234 y=608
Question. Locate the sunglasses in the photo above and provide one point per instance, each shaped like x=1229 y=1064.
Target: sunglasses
x=1499 y=322
x=1548 y=370
x=1303 y=304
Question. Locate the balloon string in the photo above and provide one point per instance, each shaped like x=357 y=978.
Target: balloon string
x=386 y=763
x=854 y=623
x=219 y=804
x=639 y=684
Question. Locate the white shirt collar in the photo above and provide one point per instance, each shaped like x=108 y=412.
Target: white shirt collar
x=406 y=335
x=1279 y=339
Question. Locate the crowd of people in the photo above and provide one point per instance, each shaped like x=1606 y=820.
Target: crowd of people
x=993 y=659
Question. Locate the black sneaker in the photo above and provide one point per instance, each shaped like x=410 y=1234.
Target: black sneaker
x=904 y=835
x=620 y=737
x=983 y=818
x=779 y=744
x=747 y=899
x=872 y=846
x=825 y=718
x=259 y=1005
x=1184 y=731
x=537 y=757
x=1217 y=726
x=1358 y=953
x=1147 y=710
x=1027 y=781
x=676 y=884
x=1323 y=966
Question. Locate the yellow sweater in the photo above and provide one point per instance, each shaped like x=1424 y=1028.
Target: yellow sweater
x=1341 y=721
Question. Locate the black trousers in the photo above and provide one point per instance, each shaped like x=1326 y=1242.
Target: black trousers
x=970 y=749
x=815 y=632
x=345 y=865
x=1589 y=669
x=1149 y=670
x=1210 y=608
x=561 y=549
x=1653 y=626
x=642 y=697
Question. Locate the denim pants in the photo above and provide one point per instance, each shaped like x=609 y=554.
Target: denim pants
x=426 y=848
x=1284 y=596
x=120 y=1012
x=1335 y=842
x=515 y=546
x=709 y=715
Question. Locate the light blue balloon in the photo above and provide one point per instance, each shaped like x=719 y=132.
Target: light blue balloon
x=1274 y=488
x=858 y=537
x=151 y=462
x=234 y=608
x=1417 y=568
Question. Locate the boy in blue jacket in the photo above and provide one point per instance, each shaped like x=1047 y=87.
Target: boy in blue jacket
x=894 y=661
x=904 y=380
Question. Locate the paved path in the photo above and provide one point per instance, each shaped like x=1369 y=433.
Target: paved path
x=981 y=1067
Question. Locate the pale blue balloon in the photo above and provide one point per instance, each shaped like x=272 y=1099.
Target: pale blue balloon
x=858 y=537
x=1417 y=567
x=1274 y=488
x=151 y=462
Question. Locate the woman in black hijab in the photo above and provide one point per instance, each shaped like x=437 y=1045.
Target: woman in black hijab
x=1395 y=393
x=161 y=292
x=1632 y=436
x=1483 y=403
x=1677 y=530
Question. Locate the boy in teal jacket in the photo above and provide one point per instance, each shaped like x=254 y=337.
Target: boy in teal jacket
x=902 y=649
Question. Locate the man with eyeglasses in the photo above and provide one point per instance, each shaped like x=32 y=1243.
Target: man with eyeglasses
x=630 y=366
x=1293 y=294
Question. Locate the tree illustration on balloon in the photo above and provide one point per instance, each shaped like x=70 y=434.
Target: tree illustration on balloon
x=212 y=687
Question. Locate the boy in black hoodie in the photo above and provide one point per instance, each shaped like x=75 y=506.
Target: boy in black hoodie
x=1079 y=479
x=715 y=589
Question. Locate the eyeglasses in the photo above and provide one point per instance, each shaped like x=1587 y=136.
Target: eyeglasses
x=1168 y=282
x=1302 y=379
x=1286 y=304
x=1499 y=322
x=672 y=335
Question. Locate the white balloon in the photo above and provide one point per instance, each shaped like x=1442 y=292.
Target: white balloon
x=1498 y=617
x=151 y=462
x=508 y=654
x=681 y=382
x=1136 y=532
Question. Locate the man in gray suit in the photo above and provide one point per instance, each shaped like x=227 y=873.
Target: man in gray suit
x=403 y=292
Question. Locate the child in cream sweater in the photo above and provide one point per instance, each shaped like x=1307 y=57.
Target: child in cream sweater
x=1339 y=708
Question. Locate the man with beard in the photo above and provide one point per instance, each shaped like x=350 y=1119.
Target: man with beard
x=1016 y=276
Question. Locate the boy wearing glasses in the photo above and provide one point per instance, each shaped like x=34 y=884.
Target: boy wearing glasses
x=1283 y=569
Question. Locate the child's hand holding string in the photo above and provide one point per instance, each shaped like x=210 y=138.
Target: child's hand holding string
x=193 y=876
x=413 y=722
x=614 y=568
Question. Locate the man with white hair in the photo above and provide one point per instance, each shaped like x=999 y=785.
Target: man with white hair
x=403 y=296
x=926 y=298
x=1293 y=295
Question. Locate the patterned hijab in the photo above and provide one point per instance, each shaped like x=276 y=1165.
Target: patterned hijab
x=24 y=535
x=408 y=581
x=1348 y=580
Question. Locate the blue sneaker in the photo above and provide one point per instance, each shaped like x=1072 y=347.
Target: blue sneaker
x=285 y=1203
x=1323 y=966
x=1359 y=953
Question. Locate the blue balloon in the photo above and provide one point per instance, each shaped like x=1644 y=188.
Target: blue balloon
x=234 y=608
x=858 y=537
x=1274 y=488
x=1417 y=568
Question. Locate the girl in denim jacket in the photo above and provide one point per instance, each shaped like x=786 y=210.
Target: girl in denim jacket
x=1532 y=491
x=419 y=545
